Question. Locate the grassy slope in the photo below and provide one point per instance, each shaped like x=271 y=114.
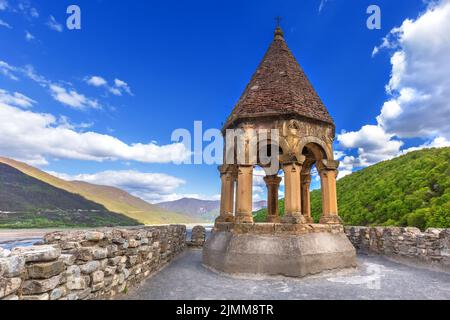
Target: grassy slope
x=411 y=190
x=113 y=199
x=31 y=203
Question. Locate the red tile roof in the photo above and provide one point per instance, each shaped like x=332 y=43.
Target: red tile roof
x=279 y=87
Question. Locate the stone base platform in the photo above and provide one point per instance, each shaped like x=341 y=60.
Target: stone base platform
x=294 y=250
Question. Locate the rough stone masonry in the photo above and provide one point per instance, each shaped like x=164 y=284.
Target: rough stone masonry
x=430 y=248
x=87 y=264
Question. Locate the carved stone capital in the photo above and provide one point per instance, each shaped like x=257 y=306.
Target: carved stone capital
x=272 y=180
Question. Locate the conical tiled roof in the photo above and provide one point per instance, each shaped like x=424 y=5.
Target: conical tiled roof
x=279 y=87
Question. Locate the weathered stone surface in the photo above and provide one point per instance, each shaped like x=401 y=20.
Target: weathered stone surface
x=97 y=276
x=45 y=270
x=427 y=247
x=68 y=259
x=58 y=293
x=12 y=266
x=73 y=271
x=99 y=253
x=294 y=256
x=84 y=254
x=37 y=253
x=12 y=297
x=31 y=287
x=198 y=236
x=76 y=283
x=98 y=286
x=40 y=297
x=133 y=243
x=132 y=260
x=94 y=236
x=90 y=267
x=114 y=261
x=9 y=286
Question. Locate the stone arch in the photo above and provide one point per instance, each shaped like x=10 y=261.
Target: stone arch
x=316 y=142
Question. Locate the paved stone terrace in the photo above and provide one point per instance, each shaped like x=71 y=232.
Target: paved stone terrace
x=186 y=278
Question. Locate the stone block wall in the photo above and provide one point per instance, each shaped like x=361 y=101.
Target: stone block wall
x=87 y=264
x=430 y=248
x=198 y=237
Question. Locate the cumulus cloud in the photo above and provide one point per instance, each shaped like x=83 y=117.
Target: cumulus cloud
x=152 y=187
x=72 y=98
x=32 y=136
x=54 y=25
x=122 y=86
x=118 y=88
x=96 y=81
x=373 y=144
x=419 y=91
x=15 y=99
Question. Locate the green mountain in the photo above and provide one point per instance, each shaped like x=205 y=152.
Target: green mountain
x=411 y=190
x=26 y=202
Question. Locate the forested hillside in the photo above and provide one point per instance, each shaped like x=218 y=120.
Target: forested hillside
x=411 y=190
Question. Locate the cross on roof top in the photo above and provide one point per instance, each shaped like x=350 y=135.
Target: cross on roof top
x=278 y=20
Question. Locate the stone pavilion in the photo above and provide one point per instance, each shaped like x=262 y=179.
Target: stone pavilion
x=280 y=100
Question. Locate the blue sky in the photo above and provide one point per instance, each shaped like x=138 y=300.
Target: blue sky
x=161 y=65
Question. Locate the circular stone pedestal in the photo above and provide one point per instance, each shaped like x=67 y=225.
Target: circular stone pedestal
x=293 y=255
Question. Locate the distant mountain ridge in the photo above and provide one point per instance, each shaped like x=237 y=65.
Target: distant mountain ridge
x=197 y=208
x=113 y=199
x=29 y=202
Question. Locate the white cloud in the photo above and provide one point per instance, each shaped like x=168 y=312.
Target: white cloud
x=96 y=81
x=72 y=98
x=54 y=25
x=152 y=187
x=419 y=91
x=29 y=36
x=34 y=136
x=122 y=86
x=373 y=144
x=8 y=71
x=67 y=96
x=420 y=82
x=117 y=89
x=15 y=99
x=148 y=186
x=5 y=24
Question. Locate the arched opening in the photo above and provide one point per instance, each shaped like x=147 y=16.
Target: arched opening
x=314 y=155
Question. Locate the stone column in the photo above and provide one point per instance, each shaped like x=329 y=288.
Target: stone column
x=273 y=184
x=244 y=194
x=328 y=174
x=292 y=206
x=306 y=198
x=227 y=176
